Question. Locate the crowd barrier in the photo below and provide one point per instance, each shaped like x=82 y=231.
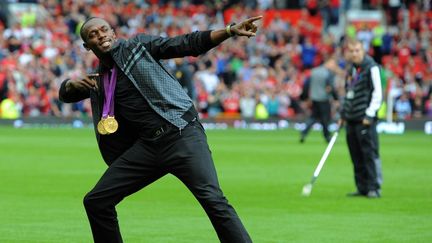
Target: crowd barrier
x=395 y=127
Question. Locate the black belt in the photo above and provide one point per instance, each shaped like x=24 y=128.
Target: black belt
x=190 y=115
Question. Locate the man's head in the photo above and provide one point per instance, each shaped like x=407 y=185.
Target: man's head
x=98 y=35
x=330 y=63
x=355 y=51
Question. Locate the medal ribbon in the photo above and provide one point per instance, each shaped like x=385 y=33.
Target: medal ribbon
x=356 y=78
x=109 y=86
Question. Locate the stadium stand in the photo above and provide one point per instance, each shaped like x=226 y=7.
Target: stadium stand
x=40 y=49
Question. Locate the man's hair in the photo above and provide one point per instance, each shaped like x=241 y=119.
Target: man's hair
x=353 y=42
x=82 y=28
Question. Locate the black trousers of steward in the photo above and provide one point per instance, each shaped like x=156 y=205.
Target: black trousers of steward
x=364 y=151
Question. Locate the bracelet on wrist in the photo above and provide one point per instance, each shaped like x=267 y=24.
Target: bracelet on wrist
x=228 y=29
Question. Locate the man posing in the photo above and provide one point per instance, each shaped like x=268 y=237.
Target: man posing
x=363 y=97
x=147 y=125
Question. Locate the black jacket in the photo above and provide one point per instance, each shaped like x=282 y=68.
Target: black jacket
x=139 y=59
x=363 y=94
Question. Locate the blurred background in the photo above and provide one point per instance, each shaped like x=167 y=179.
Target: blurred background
x=261 y=78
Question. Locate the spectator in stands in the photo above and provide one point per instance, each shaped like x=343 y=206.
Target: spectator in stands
x=393 y=12
x=261 y=112
x=9 y=108
x=214 y=100
x=387 y=43
x=365 y=35
x=308 y=53
x=377 y=43
x=312 y=6
x=334 y=11
x=184 y=75
x=403 y=108
x=231 y=103
x=247 y=104
x=272 y=104
x=428 y=106
x=3 y=84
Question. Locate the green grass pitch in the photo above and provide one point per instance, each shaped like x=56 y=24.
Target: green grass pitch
x=44 y=174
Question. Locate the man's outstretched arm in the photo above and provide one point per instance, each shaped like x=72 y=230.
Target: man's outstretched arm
x=195 y=43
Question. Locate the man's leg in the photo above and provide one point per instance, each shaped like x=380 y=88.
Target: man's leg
x=129 y=173
x=310 y=121
x=325 y=115
x=356 y=154
x=189 y=159
x=371 y=160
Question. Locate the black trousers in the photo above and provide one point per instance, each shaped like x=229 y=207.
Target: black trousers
x=184 y=154
x=364 y=150
x=321 y=112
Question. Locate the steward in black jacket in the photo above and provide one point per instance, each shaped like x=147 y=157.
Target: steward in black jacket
x=363 y=97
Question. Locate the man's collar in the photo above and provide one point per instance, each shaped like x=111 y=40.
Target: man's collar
x=116 y=44
x=361 y=63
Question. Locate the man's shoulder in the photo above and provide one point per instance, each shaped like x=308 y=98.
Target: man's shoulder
x=132 y=42
x=319 y=71
x=143 y=38
x=370 y=62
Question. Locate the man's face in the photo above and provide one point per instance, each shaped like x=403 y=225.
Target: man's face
x=356 y=52
x=98 y=36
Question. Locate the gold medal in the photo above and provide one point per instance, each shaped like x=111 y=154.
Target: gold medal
x=110 y=124
x=101 y=128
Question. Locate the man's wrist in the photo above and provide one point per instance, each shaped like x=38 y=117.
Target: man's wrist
x=68 y=85
x=228 y=29
x=369 y=118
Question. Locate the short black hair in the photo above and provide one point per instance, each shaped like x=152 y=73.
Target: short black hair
x=82 y=27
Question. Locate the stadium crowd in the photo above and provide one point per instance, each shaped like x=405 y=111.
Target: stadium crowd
x=259 y=78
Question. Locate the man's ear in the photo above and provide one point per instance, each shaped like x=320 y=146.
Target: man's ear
x=114 y=34
x=86 y=47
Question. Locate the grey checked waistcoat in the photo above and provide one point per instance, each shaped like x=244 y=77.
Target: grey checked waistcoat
x=139 y=59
